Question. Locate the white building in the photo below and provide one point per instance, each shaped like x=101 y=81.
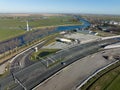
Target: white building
x=64 y=40
x=116 y=23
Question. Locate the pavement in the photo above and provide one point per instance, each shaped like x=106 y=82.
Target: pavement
x=71 y=76
x=57 y=45
x=22 y=60
x=81 y=37
x=38 y=72
x=3 y=68
x=84 y=38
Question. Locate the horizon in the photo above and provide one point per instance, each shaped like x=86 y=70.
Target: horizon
x=103 y=7
x=30 y=13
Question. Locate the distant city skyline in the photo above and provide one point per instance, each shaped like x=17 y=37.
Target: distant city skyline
x=61 y=6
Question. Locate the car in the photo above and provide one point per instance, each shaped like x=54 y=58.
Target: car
x=63 y=63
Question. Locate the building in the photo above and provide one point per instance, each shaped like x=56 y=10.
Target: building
x=64 y=40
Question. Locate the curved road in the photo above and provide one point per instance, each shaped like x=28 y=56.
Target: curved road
x=22 y=60
x=38 y=72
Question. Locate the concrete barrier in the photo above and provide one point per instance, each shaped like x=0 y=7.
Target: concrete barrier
x=112 y=46
x=91 y=76
x=118 y=36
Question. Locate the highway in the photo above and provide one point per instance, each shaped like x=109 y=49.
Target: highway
x=30 y=74
x=22 y=60
x=36 y=73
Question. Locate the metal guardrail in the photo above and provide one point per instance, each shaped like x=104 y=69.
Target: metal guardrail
x=94 y=74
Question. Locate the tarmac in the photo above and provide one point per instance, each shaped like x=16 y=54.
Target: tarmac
x=71 y=76
x=79 y=36
x=3 y=68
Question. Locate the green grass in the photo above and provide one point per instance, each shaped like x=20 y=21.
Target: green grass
x=108 y=81
x=7 y=34
x=42 y=53
x=105 y=81
x=115 y=85
x=11 y=27
x=45 y=52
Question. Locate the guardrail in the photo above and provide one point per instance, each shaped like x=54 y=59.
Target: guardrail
x=94 y=74
x=118 y=36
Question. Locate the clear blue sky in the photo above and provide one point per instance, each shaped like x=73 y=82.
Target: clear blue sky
x=60 y=6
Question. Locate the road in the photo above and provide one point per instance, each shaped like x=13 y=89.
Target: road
x=38 y=72
x=22 y=60
x=70 y=77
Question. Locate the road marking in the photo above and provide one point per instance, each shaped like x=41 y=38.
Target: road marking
x=91 y=76
x=47 y=79
x=25 y=51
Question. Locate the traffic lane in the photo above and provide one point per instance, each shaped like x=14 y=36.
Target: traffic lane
x=23 y=75
x=57 y=68
x=74 y=49
x=30 y=74
x=23 y=60
x=16 y=63
x=27 y=72
x=25 y=57
x=19 y=63
x=6 y=81
x=63 y=55
x=78 y=56
x=71 y=76
x=29 y=84
x=27 y=60
x=87 y=52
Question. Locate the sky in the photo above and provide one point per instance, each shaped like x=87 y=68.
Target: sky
x=60 y=6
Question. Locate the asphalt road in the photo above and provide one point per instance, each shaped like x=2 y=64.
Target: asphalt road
x=23 y=60
x=70 y=77
x=37 y=73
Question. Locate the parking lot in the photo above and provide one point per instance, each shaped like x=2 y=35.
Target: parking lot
x=83 y=38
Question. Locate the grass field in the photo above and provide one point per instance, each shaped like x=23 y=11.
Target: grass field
x=115 y=85
x=108 y=81
x=6 y=34
x=11 y=27
x=42 y=53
